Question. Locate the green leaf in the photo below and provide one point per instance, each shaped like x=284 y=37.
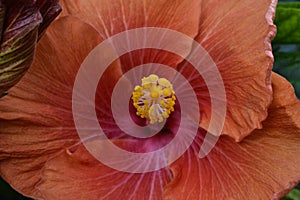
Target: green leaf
x=288 y=65
x=288 y=23
x=293 y=195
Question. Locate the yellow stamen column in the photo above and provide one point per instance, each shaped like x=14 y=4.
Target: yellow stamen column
x=154 y=99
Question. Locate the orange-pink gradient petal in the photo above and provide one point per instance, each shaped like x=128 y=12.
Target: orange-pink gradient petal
x=75 y=174
x=36 y=116
x=264 y=165
x=112 y=17
x=237 y=36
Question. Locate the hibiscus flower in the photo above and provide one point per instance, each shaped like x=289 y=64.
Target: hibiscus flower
x=47 y=148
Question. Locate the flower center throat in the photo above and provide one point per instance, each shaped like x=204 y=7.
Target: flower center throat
x=154 y=99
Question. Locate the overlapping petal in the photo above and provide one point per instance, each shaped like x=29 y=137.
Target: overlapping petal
x=90 y=179
x=36 y=117
x=237 y=35
x=111 y=18
x=263 y=166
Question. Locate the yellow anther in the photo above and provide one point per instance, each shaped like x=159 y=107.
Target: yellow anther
x=167 y=92
x=164 y=82
x=153 y=77
x=154 y=99
x=138 y=88
x=150 y=79
x=146 y=103
x=154 y=94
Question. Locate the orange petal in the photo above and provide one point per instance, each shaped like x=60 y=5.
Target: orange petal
x=264 y=165
x=112 y=18
x=36 y=116
x=237 y=36
x=117 y=17
x=75 y=174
